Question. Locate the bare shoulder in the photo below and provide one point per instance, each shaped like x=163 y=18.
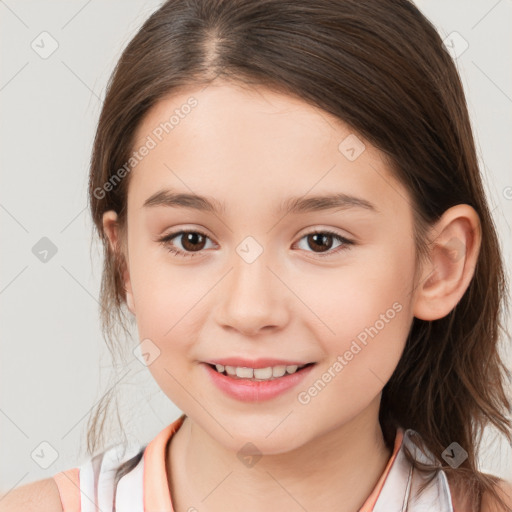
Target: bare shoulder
x=461 y=500
x=39 y=496
x=504 y=490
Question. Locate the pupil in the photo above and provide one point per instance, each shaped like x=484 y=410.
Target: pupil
x=322 y=238
x=191 y=238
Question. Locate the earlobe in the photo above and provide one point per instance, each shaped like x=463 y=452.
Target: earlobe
x=111 y=229
x=454 y=247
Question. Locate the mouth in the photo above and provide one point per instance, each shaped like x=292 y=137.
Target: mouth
x=258 y=374
x=251 y=385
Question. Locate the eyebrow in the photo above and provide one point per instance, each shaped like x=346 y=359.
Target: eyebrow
x=293 y=205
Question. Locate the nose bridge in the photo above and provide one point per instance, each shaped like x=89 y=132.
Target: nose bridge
x=253 y=297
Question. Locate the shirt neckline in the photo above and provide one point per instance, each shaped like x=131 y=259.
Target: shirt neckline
x=157 y=495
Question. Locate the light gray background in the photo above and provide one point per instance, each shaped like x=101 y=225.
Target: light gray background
x=54 y=365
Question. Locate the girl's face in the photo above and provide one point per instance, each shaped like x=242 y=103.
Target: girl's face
x=256 y=282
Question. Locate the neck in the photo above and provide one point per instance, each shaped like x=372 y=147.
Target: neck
x=335 y=471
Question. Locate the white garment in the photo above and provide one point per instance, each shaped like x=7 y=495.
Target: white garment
x=398 y=494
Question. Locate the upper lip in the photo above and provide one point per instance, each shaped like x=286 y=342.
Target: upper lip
x=255 y=363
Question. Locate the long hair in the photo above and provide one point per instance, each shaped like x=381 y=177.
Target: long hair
x=380 y=67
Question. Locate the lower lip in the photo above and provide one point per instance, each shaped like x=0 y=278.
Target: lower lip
x=253 y=391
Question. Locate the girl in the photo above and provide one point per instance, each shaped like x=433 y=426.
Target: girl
x=291 y=209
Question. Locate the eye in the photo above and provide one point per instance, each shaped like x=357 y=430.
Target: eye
x=191 y=241
x=323 y=239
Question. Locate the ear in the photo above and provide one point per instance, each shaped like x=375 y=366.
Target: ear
x=454 y=247
x=111 y=228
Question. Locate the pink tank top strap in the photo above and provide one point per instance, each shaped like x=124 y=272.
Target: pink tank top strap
x=370 y=502
x=68 y=483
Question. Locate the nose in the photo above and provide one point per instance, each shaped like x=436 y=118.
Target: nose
x=253 y=298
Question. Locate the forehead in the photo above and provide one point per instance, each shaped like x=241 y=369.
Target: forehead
x=241 y=144
x=255 y=117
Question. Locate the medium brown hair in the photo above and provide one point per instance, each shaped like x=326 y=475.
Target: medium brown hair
x=380 y=67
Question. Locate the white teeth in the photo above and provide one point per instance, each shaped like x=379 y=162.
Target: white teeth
x=245 y=373
x=271 y=372
x=230 y=370
x=279 y=371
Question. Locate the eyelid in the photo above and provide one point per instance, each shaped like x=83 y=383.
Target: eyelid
x=165 y=241
x=346 y=242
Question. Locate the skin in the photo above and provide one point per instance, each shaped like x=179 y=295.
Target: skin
x=251 y=149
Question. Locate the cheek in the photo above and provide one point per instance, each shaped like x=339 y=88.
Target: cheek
x=171 y=308
x=167 y=309
x=164 y=292
x=353 y=296
x=366 y=314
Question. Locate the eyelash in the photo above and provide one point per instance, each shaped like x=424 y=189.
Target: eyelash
x=167 y=238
